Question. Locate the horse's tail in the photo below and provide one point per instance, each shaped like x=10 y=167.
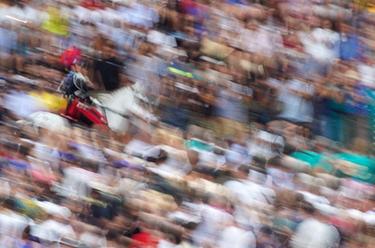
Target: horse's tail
x=27 y=123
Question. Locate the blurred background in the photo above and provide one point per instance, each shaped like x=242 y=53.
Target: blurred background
x=222 y=123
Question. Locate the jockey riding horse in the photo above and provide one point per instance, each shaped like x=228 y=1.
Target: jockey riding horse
x=81 y=107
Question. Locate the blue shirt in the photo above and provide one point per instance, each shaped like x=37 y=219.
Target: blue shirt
x=18 y=164
x=237 y=2
x=350 y=47
x=8 y=40
x=355 y=107
x=230 y=107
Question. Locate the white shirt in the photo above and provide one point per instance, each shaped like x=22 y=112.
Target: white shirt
x=261 y=144
x=110 y=16
x=128 y=187
x=295 y=107
x=281 y=178
x=235 y=237
x=208 y=158
x=250 y=193
x=76 y=181
x=28 y=14
x=81 y=13
x=369 y=217
x=331 y=11
x=16 y=12
x=139 y=15
x=247 y=217
x=159 y=38
x=137 y=148
x=237 y=155
x=312 y=233
x=12 y=224
x=312 y=198
x=54 y=209
x=5 y=189
x=93 y=240
x=367 y=74
x=165 y=244
x=51 y=230
x=260 y=41
x=213 y=220
x=46 y=154
x=90 y=153
x=320 y=44
x=177 y=162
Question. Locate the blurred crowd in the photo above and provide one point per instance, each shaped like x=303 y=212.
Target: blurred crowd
x=266 y=136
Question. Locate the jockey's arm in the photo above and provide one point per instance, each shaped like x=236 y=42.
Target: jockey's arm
x=89 y=84
x=60 y=86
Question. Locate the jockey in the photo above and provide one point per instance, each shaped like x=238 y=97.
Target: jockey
x=75 y=83
x=75 y=87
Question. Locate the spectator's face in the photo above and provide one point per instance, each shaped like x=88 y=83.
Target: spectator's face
x=326 y=24
x=108 y=51
x=313 y=21
x=189 y=30
x=193 y=157
x=263 y=238
x=252 y=25
x=344 y=28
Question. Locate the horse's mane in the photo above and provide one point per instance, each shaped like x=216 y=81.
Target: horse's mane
x=103 y=96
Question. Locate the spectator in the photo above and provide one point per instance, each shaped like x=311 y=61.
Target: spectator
x=265 y=238
x=350 y=44
x=260 y=74
x=328 y=235
x=296 y=97
x=321 y=44
x=231 y=111
x=354 y=109
x=234 y=236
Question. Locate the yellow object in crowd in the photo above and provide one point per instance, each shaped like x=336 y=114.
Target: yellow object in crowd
x=56 y=23
x=371 y=9
x=52 y=102
x=366 y=4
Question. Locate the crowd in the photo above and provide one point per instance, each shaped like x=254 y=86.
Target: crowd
x=265 y=138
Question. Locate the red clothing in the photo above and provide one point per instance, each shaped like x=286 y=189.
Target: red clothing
x=43 y=177
x=144 y=240
x=92 y=4
x=4 y=154
x=188 y=5
x=345 y=225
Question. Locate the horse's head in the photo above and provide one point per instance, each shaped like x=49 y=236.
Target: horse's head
x=124 y=102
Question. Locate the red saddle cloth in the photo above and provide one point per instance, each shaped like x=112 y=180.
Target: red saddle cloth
x=79 y=111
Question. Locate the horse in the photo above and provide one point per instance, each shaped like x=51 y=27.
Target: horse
x=117 y=106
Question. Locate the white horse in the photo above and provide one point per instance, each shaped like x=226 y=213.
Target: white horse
x=117 y=106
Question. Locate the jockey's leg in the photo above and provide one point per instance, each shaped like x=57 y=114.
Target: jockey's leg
x=72 y=110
